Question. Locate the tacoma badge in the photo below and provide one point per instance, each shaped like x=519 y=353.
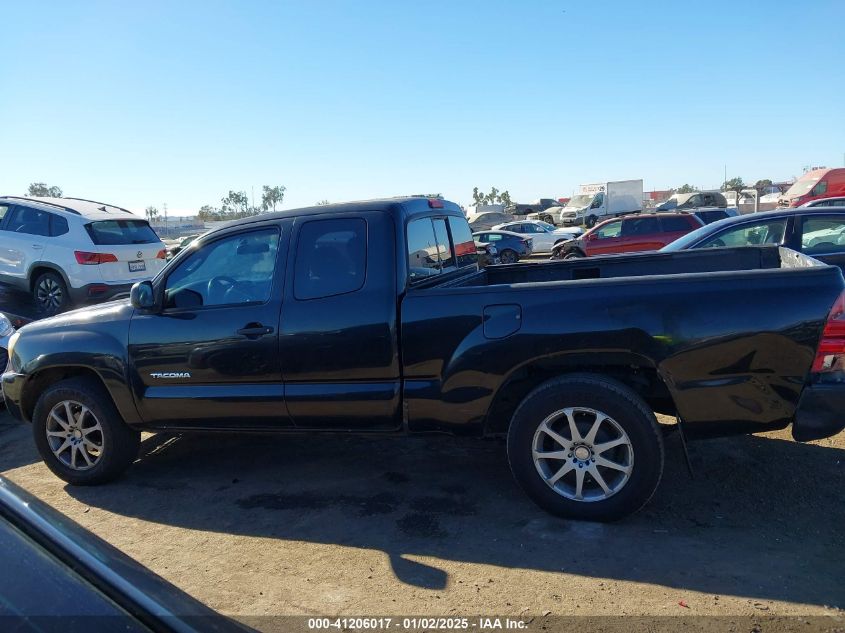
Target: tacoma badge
x=170 y=374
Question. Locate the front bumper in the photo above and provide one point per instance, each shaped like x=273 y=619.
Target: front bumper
x=98 y=293
x=820 y=412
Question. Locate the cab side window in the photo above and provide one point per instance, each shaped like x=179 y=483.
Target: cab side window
x=331 y=258
x=234 y=270
x=465 y=253
x=4 y=208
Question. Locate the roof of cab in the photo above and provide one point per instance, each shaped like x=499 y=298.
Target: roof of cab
x=404 y=207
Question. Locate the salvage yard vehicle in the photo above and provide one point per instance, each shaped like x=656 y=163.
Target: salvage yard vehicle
x=543 y=235
x=816 y=184
x=599 y=201
x=510 y=246
x=693 y=201
x=68 y=251
x=375 y=317
x=815 y=231
x=630 y=234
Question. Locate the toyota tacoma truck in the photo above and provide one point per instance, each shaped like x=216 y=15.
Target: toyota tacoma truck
x=374 y=317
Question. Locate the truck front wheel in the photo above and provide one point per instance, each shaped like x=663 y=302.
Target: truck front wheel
x=586 y=447
x=591 y=221
x=80 y=434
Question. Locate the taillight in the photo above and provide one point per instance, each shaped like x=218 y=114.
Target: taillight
x=830 y=356
x=435 y=203
x=162 y=254
x=90 y=259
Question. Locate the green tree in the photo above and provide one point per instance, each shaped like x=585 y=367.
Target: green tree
x=323 y=203
x=505 y=198
x=207 y=213
x=272 y=196
x=734 y=184
x=477 y=196
x=494 y=197
x=235 y=205
x=151 y=213
x=41 y=190
x=685 y=188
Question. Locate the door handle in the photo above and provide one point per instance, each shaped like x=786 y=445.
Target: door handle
x=254 y=330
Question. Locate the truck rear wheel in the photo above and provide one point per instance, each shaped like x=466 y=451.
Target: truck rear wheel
x=586 y=447
x=80 y=434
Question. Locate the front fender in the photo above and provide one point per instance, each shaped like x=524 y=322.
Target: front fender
x=92 y=340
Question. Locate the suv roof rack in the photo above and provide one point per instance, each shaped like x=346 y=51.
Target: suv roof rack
x=49 y=204
x=104 y=204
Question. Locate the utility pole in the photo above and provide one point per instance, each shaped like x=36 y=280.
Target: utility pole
x=253 y=197
x=165 y=218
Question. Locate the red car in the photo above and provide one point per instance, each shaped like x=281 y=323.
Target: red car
x=815 y=185
x=628 y=234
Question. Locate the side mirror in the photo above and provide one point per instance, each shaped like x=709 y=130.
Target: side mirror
x=141 y=295
x=591 y=237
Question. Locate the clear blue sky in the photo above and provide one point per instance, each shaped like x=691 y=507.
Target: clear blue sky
x=142 y=103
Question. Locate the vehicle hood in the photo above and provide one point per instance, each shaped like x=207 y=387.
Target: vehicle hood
x=569 y=231
x=97 y=317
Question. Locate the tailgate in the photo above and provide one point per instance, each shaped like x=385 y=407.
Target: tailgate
x=135 y=262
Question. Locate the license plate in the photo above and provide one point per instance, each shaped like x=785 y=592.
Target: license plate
x=137 y=266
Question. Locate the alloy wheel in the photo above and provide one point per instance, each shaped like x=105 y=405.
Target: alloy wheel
x=583 y=454
x=75 y=435
x=49 y=294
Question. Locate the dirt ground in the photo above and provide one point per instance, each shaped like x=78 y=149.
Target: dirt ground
x=267 y=525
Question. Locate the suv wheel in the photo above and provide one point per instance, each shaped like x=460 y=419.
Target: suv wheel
x=586 y=447
x=50 y=294
x=80 y=434
x=508 y=256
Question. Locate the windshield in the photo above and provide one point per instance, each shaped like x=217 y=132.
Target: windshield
x=579 y=201
x=111 y=232
x=802 y=186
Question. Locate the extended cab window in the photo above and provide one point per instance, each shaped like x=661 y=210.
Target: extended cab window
x=3 y=209
x=234 y=270
x=331 y=258
x=464 y=244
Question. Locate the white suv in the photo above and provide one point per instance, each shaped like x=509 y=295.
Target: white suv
x=68 y=251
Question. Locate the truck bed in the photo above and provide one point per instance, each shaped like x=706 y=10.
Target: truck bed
x=642 y=265
x=724 y=337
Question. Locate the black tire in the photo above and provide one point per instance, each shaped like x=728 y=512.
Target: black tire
x=49 y=292
x=119 y=442
x=591 y=221
x=508 y=256
x=574 y=254
x=625 y=409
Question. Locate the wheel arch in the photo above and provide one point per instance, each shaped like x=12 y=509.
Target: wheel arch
x=45 y=376
x=633 y=370
x=41 y=267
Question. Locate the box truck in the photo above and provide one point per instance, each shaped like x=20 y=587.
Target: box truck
x=599 y=201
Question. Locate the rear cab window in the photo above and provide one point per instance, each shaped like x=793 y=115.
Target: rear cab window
x=116 y=232
x=430 y=246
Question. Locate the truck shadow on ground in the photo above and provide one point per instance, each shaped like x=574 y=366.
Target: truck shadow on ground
x=762 y=518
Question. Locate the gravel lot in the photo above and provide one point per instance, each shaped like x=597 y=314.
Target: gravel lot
x=261 y=525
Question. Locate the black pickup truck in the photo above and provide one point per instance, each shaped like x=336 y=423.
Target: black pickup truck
x=374 y=317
